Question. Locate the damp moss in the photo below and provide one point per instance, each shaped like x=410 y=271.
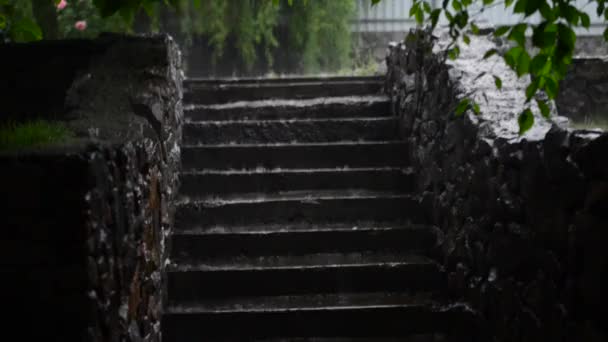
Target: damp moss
x=38 y=133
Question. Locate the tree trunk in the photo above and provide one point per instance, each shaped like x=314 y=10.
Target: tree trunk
x=46 y=17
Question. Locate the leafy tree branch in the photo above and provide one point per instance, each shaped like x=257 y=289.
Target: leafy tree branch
x=553 y=40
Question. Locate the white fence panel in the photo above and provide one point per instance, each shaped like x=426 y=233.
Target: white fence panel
x=393 y=16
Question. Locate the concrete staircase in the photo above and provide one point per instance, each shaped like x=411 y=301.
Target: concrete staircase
x=297 y=222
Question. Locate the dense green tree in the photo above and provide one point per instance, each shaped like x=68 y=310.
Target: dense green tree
x=317 y=31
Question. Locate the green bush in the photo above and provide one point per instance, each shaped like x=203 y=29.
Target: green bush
x=85 y=11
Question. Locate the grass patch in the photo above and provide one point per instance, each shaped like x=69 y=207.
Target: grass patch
x=32 y=134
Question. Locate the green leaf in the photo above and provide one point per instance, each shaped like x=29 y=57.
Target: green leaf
x=528 y=7
x=546 y=69
x=532 y=88
x=498 y=82
x=585 y=20
x=546 y=11
x=454 y=52
x=2 y=21
x=606 y=34
x=435 y=17
x=538 y=64
x=520 y=6
x=523 y=64
x=374 y=2
x=476 y=108
x=449 y=15
x=456 y=5
x=490 y=53
x=474 y=29
x=466 y=39
x=551 y=87
x=463 y=105
x=415 y=7
x=488 y=2
x=531 y=7
x=566 y=36
x=570 y=13
x=525 y=121
x=512 y=56
x=419 y=16
x=508 y=3
x=427 y=7
x=501 y=30
x=518 y=34
x=544 y=109
x=462 y=19
x=544 y=35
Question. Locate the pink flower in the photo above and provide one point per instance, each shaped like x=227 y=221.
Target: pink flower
x=61 y=5
x=80 y=25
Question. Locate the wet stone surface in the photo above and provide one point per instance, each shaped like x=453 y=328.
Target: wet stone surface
x=520 y=215
x=88 y=221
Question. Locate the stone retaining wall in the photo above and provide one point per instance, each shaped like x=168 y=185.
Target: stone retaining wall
x=583 y=95
x=523 y=217
x=87 y=221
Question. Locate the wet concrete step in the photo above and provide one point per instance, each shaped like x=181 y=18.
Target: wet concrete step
x=205 y=93
x=284 y=109
x=222 y=277
x=298 y=206
x=285 y=131
x=196 y=244
x=375 y=316
x=295 y=156
x=217 y=182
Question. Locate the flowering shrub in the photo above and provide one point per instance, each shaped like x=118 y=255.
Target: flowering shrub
x=80 y=25
x=81 y=19
x=61 y=5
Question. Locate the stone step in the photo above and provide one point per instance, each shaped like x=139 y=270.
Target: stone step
x=285 y=131
x=297 y=206
x=295 y=156
x=196 y=244
x=439 y=337
x=217 y=182
x=410 y=338
x=206 y=93
x=283 y=109
x=279 y=80
x=315 y=317
x=222 y=277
